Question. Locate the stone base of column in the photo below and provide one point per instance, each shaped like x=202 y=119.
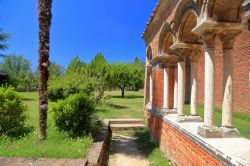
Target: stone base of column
x=169 y=111
x=194 y=118
x=181 y=118
x=191 y=118
x=209 y=132
x=229 y=132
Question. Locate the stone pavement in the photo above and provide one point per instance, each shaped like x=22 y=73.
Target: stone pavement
x=124 y=152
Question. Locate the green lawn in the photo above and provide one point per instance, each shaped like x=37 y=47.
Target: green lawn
x=129 y=107
x=57 y=145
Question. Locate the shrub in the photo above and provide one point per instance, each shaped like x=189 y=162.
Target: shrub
x=74 y=114
x=63 y=86
x=12 y=113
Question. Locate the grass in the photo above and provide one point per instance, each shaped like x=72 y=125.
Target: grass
x=129 y=107
x=57 y=144
x=150 y=149
x=240 y=121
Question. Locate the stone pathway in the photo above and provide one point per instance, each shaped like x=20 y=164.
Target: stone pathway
x=124 y=152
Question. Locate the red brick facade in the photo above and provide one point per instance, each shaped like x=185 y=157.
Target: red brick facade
x=178 y=147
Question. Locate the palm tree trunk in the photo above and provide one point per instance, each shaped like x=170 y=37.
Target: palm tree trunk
x=44 y=19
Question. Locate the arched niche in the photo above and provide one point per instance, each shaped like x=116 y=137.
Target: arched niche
x=187 y=23
x=222 y=10
x=182 y=7
x=149 y=53
x=166 y=39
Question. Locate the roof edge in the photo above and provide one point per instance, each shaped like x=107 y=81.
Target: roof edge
x=151 y=19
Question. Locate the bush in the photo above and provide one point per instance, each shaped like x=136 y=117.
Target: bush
x=12 y=113
x=74 y=114
x=63 y=86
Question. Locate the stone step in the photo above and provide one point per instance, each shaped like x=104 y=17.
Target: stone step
x=125 y=121
x=116 y=127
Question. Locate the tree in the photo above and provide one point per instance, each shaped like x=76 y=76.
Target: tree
x=3 y=38
x=99 y=71
x=137 y=80
x=44 y=20
x=76 y=66
x=17 y=69
x=121 y=75
x=55 y=69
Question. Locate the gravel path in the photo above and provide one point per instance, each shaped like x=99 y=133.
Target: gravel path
x=124 y=152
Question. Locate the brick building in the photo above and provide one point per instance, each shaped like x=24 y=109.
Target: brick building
x=198 y=52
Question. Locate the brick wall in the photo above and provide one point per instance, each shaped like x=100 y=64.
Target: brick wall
x=180 y=149
x=158 y=87
x=241 y=99
x=171 y=87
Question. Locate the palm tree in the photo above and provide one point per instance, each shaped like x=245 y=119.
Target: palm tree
x=44 y=19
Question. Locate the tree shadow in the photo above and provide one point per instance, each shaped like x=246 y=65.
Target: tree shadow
x=28 y=99
x=144 y=142
x=128 y=96
x=21 y=132
x=117 y=106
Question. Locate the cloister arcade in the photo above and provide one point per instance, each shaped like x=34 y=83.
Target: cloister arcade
x=187 y=33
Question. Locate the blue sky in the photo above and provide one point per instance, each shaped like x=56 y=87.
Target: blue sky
x=79 y=27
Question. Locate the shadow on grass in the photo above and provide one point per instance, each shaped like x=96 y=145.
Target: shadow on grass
x=144 y=142
x=19 y=133
x=128 y=96
x=28 y=99
x=117 y=106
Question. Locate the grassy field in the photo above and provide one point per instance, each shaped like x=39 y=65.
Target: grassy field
x=129 y=107
x=57 y=144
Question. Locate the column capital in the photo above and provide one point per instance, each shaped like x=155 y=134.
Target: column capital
x=195 y=55
x=168 y=65
x=208 y=38
x=227 y=38
x=182 y=53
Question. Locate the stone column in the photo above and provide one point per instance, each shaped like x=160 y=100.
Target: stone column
x=194 y=89
x=208 y=129
x=146 y=83
x=194 y=56
x=227 y=40
x=181 y=86
x=175 y=88
x=150 y=88
x=166 y=89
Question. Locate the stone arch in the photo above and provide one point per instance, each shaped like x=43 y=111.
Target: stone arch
x=222 y=10
x=187 y=23
x=149 y=53
x=182 y=7
x=166 y=39
x=246 y=12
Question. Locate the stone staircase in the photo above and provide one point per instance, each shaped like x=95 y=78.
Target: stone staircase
x=125 y=124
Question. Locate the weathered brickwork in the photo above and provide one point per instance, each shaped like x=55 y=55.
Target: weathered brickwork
x=171 y=87
x=241 y=73
x=180 y=149
x=158 y=87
